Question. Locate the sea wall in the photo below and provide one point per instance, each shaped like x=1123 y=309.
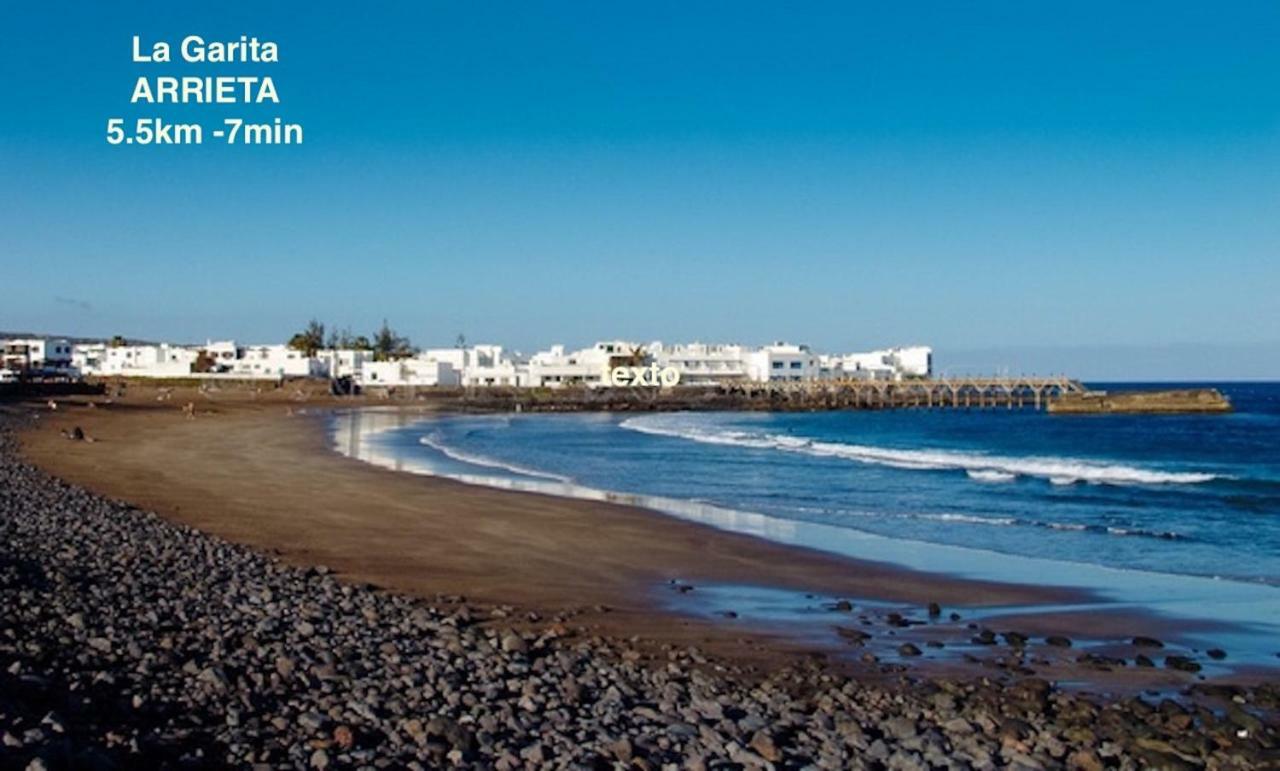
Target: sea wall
x=1102 y=402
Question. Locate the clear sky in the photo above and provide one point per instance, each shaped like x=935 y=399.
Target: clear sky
x=1003 y=176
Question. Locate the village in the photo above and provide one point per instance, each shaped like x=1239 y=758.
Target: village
x=462 y=365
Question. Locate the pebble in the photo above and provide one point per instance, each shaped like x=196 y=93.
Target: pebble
x=130 y=642
x=1181 y=663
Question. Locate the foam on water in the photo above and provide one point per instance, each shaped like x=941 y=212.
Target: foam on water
x=991 y=475
x=433 y=441
x=985 y=468
x=398 y=444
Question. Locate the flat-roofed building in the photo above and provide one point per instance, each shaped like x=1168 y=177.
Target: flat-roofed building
x=36 y=354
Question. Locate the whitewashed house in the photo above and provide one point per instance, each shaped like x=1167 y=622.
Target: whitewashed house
x=783 y=362
x=585 y=367
x=888 y=363
x=274 y=361
x=87 y=358
x=343 y=362
x=482 y=365
x=415 y=371
x=157 y=361
x=703 y=363
x=491 y=365
x=695 y=363
x=913 y=360
x=37 y=355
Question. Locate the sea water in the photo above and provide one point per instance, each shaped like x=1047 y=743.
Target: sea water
x=1174 y=512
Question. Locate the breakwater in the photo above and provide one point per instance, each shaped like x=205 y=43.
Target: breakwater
x=1171 y=401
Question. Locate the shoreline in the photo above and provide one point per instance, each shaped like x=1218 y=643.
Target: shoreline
x=127 y=641
x=190 y=470
x=243 y=455
x=1199 y=612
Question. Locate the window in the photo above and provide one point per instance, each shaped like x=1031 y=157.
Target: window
x=795 y=365
x=777 y=365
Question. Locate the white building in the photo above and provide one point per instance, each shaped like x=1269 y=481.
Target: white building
x=160 y=361
x=475 y=366
x=417 y=371
x=272 y=361
x=223 y=359
x=220 y=355
x=38 y=355
x=711 y=364
x=703 y=363
x=913 y=361
x=783 y=362
x=483 y=365
x=343 y=363
x=586 y=367
x=887 y=364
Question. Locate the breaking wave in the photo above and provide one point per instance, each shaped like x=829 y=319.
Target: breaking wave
x=984 y=468
x=481 y=460
x=991 y=475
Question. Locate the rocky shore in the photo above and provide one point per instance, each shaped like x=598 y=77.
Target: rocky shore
x=130 y=642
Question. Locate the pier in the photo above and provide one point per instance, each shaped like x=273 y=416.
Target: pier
x=935 y=393
x=969 y=392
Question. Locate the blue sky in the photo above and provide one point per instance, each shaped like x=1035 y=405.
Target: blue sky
x=993 y=177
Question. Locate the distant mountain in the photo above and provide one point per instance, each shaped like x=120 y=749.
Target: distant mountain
x=74 y=340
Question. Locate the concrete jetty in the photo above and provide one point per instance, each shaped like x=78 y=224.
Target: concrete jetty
x=1140 y=402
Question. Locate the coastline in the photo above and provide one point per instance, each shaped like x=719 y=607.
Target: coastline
x=1201 y=613
x=261 y=473
x=128 y=641
x=257 y=469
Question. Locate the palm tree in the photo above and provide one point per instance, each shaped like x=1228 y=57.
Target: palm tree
x=388 y=345
x=310 y=339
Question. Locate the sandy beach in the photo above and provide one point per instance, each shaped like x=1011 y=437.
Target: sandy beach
x=359 y=581
x=257 y=469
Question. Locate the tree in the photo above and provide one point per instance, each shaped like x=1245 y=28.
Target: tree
x=343 y=339
x=388 y=345
x=310 y=339
x=118 y=341
x=638 y=357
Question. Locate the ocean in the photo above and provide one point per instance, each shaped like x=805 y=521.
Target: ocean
x=1178 y=511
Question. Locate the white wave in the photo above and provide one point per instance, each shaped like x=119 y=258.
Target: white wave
x=974 y=519
x=1060 y=471
x=1076 y=527
x=968 y=519
x=991 y=475
x=487 y=462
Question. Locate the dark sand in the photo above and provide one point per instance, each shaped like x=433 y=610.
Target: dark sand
x=257 y=469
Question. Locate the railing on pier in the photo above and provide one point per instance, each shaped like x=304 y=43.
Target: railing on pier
x=973 y=392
